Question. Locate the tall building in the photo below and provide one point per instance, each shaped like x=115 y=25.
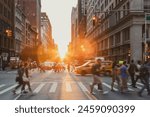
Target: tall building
x=32 y=10
x=46 y=32
x=118 y=33
x=78 y=27
x=6 y=30
x=74 y=30
x=25 y=33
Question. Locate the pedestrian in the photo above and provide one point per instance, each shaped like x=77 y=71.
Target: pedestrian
x=19 y=77
x=96 y=76
x=124 y=77
x=144 y=72
x=26 y=80
x=115 y=75
x=131 y=70
x=137 y=72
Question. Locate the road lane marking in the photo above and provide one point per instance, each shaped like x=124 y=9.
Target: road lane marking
x=68 y=87
x=109 y=86
x=7 y=89
x=82 y=86
x=39 y=88
x=139 y=83
x=53 y=87
x=2 y=85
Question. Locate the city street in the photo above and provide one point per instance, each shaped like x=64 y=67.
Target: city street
x=63 y=86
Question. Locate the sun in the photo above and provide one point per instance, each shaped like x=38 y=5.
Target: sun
x=62 y=54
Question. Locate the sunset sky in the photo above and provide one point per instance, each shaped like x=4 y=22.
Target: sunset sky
x=59 y=13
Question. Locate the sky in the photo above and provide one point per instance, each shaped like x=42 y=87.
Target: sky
x=59 y=13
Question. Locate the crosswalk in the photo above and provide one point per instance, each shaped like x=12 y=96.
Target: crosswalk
x=68 y=88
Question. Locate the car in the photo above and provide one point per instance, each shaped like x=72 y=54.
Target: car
x=47 y=65
x=106 y=68
x=85 y=68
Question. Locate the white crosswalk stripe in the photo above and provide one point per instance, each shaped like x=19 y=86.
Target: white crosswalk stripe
x=68 y=87
x=2 y=85
x=83 y=88
x=8 y=89
x=139 y=83
x=39 y=88
x=53 y=87
x=109 y=86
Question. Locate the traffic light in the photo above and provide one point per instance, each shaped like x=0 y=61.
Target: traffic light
x=94 y=20
x=9 y=33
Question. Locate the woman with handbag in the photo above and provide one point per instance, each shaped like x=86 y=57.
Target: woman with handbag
x=19 y=77
x=26 y=80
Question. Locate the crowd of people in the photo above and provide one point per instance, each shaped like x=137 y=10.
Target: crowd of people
x=121 y=72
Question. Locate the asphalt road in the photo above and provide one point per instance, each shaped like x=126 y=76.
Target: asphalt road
x=63 y=86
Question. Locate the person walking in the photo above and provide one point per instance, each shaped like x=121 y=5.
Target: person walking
x=144 y=72
x=137 y=72
x=124 y=77
x=131 y=70
x=96 y=76
x=115 y=75
x=19 y=77
x=26 y=80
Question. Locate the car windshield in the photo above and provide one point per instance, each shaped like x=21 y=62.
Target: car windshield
x=89 y=62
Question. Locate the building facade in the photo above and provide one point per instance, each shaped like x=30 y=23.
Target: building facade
x=32 y=10
x=118 y=33
x=78 y=28
x=7 y=40
x=25 y=33
x=46 y=32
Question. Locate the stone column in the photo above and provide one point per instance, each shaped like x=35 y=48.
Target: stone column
x=136 y=42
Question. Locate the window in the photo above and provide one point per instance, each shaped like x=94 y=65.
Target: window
x=117 y=40
x=126 y=34
x=5 y=11
x=1 y=8
x=1 y=41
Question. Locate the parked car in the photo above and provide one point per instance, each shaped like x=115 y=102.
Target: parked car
x=14 y=61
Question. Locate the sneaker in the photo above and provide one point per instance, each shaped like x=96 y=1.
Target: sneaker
x=134 y=86
x=99 y=90
x=112 y=90
x=92 y=93
x=91 y=89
